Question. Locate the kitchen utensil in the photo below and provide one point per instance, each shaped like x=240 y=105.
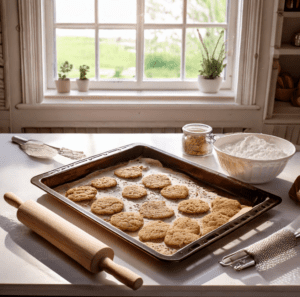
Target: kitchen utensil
x=38 y=149
x=91 y=253
x=259 y=200
x=265 y=253
x=249 y=170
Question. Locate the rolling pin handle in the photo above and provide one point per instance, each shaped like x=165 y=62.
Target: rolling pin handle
x=13 y=199
x=124 y=275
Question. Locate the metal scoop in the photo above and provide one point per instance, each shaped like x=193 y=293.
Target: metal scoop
x=38 y=149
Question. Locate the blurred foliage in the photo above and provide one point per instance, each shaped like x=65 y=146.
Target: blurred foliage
x=162 y=50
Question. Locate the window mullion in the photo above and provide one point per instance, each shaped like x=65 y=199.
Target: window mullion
x=183 y=44
x=97 y=62
x=140 y=41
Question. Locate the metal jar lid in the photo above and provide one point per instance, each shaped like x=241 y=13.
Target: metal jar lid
x=196 y=129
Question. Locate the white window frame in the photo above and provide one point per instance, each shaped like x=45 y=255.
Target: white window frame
x=139 y=83
x=32 y=45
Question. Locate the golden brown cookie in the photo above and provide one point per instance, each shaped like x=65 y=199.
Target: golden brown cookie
x=156 y=210
x=127 y=221
x=175 y=192
x=154 y=230
x=129 y=172
x=193 y=206
x=107 y=206
x=228 y=207
x=187 y=224
x=134 y=192
x=81 y=193
x=104 y=182
x=178 y=238
x=213 y=221
x=156 y=181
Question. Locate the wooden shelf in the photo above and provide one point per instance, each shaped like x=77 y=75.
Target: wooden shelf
x=287 y=49
x=291 y=14
x=286 y=109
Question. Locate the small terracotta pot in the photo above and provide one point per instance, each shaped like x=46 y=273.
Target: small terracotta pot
x=209 y=85
x=63 y=85
x=83 y=84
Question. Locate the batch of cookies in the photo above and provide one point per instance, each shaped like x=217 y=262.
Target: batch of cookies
x=183 y=231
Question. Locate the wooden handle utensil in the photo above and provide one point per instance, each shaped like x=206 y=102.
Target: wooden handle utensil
x=79 y=245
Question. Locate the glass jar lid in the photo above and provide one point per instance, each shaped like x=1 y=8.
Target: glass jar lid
x=196 y=129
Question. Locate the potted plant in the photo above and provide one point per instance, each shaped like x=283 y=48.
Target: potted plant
x=83 y=81
x=63 y=84
x=209 y=80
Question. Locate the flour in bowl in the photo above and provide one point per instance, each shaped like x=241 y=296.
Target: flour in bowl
x=252 y=147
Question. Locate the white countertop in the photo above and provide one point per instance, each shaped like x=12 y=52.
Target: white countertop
x=30 y=265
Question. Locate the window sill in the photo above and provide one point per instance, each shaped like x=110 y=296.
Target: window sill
x=93 y=99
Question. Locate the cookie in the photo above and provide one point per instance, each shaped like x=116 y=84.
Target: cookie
x=178 y=238
x=187 y=224
x=156 y=210
x=228 y=207
x=127 y=221
x=134 y=192
x=156 y=181
x=129 y=172
x=154 y=230
x=81 y=193
x=107 y=206
x=104 y=182
x=175 y=192
x=213 y=221
x=193 y=206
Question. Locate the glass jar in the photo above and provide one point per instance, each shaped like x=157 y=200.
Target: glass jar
x=197 y=139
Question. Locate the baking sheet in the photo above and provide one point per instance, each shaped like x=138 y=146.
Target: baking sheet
x=202 y=183
x=150 y=166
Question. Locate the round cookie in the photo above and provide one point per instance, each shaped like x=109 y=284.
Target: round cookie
x=104 y=182
x=212 y=221
x=107 y=206
x=127 y=221
x=193 y=206
x=134 y=192
x=228 y=207
x=175 y=192
x=187 y=224
x=154 y=230
x=129 y=172
x=81 y=193
x=178 y=238
x=156 y=181
x=156 y=210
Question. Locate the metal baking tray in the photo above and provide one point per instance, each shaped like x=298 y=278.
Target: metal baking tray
x=261 y=201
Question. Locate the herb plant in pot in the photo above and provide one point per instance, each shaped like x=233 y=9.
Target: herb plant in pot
x=83 y=82
x=212 y=65
x=63 y=84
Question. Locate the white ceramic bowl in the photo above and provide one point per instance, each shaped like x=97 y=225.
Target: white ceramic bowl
x=249 y=170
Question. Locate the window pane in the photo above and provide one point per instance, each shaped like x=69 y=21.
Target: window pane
x=78 y=48
x=117 y=54
x=75 y=11
x=206 y=11
x=162 y=53
x=163 y=11
x=194 y=48
x=117 y=11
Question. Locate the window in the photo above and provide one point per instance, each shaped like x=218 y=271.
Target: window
x=136 y=44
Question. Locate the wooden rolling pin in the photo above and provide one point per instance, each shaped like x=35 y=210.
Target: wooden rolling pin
x=79 y=245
